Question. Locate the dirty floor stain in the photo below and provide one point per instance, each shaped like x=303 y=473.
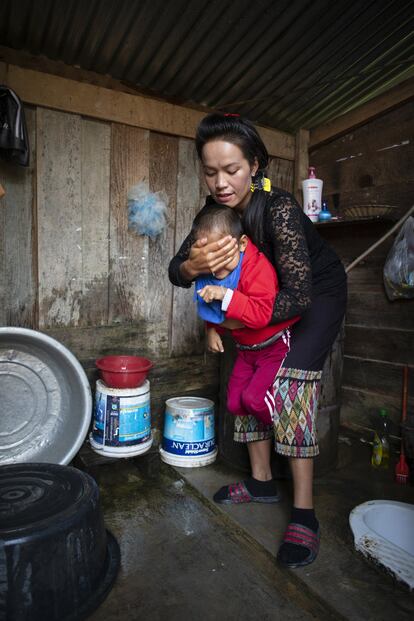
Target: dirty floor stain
x=179 y=561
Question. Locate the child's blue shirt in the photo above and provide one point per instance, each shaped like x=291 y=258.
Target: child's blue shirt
x=212 y=312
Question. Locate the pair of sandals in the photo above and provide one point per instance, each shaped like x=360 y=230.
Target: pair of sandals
x=297 y=534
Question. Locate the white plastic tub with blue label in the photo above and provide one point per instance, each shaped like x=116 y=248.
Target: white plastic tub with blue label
x=122 y=420
x=189 y=438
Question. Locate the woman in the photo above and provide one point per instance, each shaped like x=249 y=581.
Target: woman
x=312 y=284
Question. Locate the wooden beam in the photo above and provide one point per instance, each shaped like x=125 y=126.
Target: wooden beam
x=51 y=91
x=25 y=60
x=301 y=162
x=279 y=144
x=3 y=73
x=390 y=99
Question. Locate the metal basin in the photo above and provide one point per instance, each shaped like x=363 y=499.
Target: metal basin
x=45 y=396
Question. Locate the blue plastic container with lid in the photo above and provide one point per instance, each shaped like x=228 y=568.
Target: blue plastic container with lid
x=189 y=438
x=122 y=420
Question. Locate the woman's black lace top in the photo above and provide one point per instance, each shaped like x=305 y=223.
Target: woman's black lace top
x=305 y=264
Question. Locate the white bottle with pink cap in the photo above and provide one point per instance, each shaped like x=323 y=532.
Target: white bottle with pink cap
x=312 y=195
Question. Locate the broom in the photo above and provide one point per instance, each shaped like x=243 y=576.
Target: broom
x=401 y=469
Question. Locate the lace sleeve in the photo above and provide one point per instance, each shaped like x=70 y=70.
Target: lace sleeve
x=290 y=257
x=174 y=272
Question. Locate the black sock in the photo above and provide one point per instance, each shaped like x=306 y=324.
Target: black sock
x=291 y=553
x=306 y=517
x=261 y=488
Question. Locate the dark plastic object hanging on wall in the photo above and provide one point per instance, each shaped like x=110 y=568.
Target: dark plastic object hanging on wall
x=14 y=141
x=57 y=561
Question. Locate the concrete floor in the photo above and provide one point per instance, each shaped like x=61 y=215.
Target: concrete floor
x=184 y=557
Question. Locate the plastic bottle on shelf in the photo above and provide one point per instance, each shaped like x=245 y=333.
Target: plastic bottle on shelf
x=325 y=214
x=312 y=195
x=381 y=446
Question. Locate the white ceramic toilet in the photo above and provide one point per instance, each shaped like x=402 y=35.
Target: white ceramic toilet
x=384 y=532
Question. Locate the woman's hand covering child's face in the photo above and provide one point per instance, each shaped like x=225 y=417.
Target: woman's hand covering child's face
x=209 y=257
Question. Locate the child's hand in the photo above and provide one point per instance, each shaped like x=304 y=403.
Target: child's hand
x=212 y=292
x=214 y=342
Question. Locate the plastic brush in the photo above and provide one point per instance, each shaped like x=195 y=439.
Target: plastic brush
x=401 y=469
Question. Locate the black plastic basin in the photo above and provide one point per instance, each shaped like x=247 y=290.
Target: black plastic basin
x=57 y=561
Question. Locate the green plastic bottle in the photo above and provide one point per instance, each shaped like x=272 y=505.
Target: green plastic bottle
x=381 y=447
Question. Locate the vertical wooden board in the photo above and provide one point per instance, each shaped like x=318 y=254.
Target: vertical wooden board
x=3 y=73
x=204 y=191
x=128 y=251
x=17 y=224
x=186 y=327
x=301 y=163
x=59 y=217
x=281 y=174
x=95 y=162
x=163 y=166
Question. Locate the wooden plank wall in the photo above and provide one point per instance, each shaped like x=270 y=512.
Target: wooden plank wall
x=186 y=334
x=18 y=239
x=70 y=266
x=372 y=165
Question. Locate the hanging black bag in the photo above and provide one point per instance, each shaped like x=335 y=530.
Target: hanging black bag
x=14 y=142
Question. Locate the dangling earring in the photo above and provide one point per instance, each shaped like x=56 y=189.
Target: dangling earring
x=256 y=181
x=260 y=182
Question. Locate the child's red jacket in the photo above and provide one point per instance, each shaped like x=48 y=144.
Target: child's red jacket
x=253 y=300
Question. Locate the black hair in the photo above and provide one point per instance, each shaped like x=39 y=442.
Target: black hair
x=218 y=217
x=242 y=133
